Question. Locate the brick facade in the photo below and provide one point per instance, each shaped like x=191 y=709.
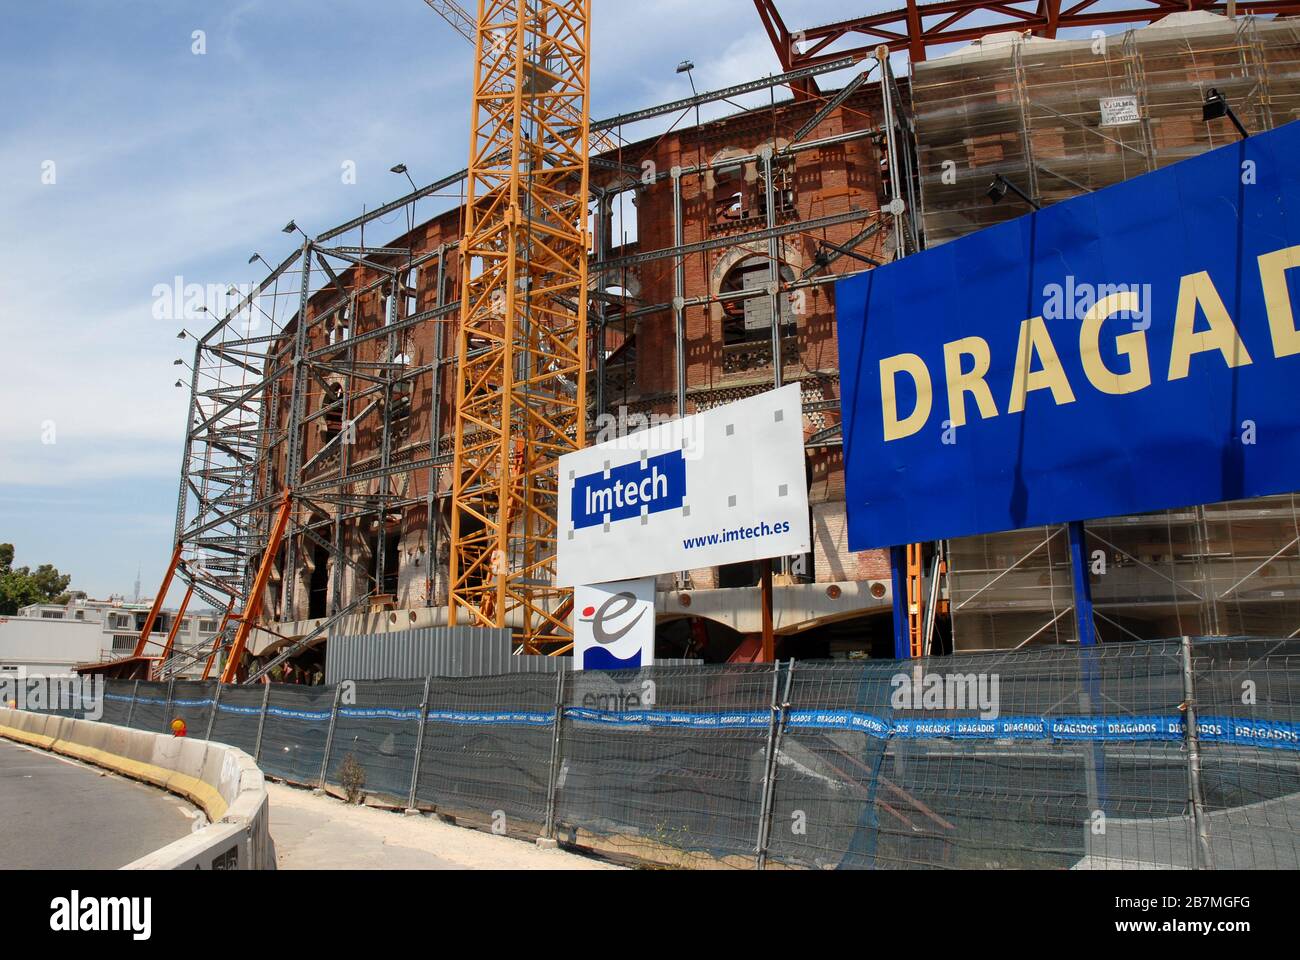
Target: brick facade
x=726 y=357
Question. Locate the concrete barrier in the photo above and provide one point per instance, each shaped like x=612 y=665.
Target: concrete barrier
x=223 y=781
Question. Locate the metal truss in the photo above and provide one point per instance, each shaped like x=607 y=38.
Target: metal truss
x=456 y=17
x=915 y=27
x=256 y=397
x=295 y=355
x=522 y=346
x=260 y=375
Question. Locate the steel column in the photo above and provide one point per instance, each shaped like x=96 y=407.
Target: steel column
x=130 y=710
x=773 y=271
x=419 y=744
x=553 y=778
x=1079 y=568
x=212 y=717
x=171 y=696
x=261 y=722
x=775 y=733
x=297 y=411
x=329 y=736
x=898 y=578
x=679 y=293
x=1202 y=852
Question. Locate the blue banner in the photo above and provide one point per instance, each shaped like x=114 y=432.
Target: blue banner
x=1130 y=350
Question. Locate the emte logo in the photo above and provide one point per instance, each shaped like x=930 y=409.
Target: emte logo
x=610 y=623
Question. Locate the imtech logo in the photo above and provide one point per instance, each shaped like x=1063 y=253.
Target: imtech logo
x=647 y=486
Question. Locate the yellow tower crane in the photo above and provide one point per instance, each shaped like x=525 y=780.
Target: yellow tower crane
x=521 y=392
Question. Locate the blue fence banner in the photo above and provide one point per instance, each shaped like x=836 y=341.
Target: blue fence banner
x=494 y=718
x=1251 y=733
x=1134 y=729
x=239 y=711
x=377 y=713
x=283 y=714
x=671 y=718
x=1131 y=350
x=1214 y=730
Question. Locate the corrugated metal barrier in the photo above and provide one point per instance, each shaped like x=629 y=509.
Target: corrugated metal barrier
x=438 y=652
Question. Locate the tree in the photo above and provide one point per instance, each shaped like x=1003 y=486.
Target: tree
x=20 y=587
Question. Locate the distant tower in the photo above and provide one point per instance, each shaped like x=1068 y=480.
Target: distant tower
x=137 y=584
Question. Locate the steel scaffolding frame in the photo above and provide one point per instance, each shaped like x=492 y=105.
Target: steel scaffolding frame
x=521 y=385
x=258 y=373
x=1029 y=111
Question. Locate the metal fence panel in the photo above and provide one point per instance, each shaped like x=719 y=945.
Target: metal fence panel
x=1035 y=801
x=487 y=751
x=378 y=732
x=238 y=715
x=151 y=706
x=685 y=791
x=1051 y=758
x=297 y=725
x=117 y=701
x=66 y=696
x=192 y=701
x=1248 y=701
x=826 y=810
x=434 y=651
x=912 y=789
x=416 y=654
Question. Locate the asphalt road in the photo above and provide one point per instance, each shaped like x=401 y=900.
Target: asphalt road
x=59 y=814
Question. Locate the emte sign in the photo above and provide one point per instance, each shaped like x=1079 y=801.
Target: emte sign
x=1126 y=351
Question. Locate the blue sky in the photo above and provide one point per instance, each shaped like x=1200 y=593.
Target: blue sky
x=166 y=163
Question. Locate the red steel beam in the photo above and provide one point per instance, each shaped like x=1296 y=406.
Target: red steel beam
x=1050 y=12
x=914 y=28
x=216 y=640
x=253 y=611
x=784 y=45
x=159 y=600
x=176 y=627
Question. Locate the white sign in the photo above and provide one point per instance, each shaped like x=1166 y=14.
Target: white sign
x=1119 y=111
x=614 y=625
x=725 y=486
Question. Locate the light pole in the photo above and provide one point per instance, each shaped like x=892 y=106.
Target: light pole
x=687 y=67
x=1216 y=108
x=401 y=168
